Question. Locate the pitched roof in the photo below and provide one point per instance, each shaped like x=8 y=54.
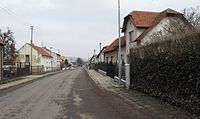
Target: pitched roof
x=42 y=51
x=102 y=50
x=144 y=18
x=161 y=15
x=114 y=45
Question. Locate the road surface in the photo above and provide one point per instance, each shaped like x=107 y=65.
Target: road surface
x=68 y=95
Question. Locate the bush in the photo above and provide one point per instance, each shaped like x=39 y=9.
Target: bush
x=169 y=70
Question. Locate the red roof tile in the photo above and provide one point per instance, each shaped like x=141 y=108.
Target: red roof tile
x=161 y=15
x=114 y=45
x=42 y=51
x=145 y=18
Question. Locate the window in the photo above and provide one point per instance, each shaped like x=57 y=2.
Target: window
x=27 y=58
x=107 y=59
x=131 y=36
x=111 y=59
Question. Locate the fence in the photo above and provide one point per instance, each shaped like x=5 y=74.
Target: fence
x=111 y=69
x=23 y=69
x=17 y=70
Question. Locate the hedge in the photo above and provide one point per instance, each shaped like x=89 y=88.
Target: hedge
x=170 y=71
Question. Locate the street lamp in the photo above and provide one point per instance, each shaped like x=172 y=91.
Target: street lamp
x=119 y=51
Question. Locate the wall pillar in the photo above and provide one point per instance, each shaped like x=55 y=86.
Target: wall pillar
x=127 y=74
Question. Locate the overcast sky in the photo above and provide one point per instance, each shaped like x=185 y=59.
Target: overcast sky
x=75 y=27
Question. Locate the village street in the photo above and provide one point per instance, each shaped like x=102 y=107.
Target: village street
x=71 y=94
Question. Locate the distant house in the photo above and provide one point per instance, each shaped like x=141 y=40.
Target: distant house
x=111 y=51
x=40 y=56
x=56 y=59
x=139 y=27
x=100 y=56
x=93 y=59
x=1 y=59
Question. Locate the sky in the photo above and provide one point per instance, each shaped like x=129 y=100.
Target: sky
x=74 y=27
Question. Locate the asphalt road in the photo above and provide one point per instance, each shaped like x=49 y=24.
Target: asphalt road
x=68 y=95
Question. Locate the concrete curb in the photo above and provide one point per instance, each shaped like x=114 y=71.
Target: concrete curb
x=26 y=80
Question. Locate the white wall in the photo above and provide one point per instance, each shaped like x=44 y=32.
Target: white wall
x=114 y=54
x=46 y=62
x=38 y=59
x=54 y=59
x=158 y=28
x=26 y=50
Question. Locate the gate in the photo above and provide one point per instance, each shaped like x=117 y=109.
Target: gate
x=23 y=68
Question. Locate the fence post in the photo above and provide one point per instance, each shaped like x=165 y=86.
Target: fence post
x=127 y=74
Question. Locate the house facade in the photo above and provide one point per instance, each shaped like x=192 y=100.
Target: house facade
x=141 y=27
x=111 y=51
x=93 y=59
x=40 y=57
x=56 y=59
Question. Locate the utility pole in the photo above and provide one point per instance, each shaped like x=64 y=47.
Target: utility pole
x=100 y=53
x=119 y=52
x=31 y=58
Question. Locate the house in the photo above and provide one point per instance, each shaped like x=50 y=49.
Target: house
x=1 y=58
x=56 y=59
x=100 y=56
x=111 y=51
x=140 y=27
x=40 y=57
x=93 y=59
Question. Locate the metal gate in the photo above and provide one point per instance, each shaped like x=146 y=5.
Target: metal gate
x=23 y=68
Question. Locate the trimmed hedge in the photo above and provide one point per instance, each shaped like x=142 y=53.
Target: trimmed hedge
x=169 y=70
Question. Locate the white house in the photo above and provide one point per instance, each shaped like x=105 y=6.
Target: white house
x=139 y=27
x=111 y=51
x=56 y=59
x=93 y=59
x=40 y=57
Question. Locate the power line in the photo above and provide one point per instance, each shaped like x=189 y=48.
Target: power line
x=149 y=4
x=11 y=13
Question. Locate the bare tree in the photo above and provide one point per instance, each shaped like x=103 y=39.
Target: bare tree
x=9 y=47
x=79 y=62
x=192 y=14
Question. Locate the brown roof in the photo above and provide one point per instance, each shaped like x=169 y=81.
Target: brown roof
x=161 y=15
x=42 y=51
x=144 y=18
x=114 y=45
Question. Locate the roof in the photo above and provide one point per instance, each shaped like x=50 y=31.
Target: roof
x=163 y=14
x=42 y=51
x=94 y=56
x=144 y=18
x=114 y=45
x=102 y=50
